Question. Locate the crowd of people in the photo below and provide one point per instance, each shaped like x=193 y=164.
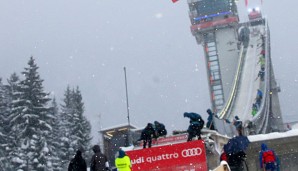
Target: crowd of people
x=152 y=131
x=261 y=74
x=234 y=159
x=268 y=160
x=99 y=161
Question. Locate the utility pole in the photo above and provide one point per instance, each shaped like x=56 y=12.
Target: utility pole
x=127 y=107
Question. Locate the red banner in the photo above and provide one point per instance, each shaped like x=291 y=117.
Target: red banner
x=168 y=140
x=214 y=23
x=177 y=157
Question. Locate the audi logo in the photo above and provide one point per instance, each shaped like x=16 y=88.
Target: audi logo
x=191 y=152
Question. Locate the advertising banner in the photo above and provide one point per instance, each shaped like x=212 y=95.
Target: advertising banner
x=187 y=156
x=167 y=140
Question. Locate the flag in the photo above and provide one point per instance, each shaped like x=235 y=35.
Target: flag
x=174 y=1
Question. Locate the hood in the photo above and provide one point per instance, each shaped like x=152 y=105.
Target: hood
x=264 y=147
x=96 y=148
x=79 y=153
x=121 y=153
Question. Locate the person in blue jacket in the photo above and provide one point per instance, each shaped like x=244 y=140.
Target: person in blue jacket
x=196 y=125
x=268 y=159
x=210 y=120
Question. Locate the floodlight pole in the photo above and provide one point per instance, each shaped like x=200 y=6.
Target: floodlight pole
x=127 y=107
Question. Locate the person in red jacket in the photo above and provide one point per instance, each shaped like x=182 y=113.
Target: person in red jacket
x=267 y=158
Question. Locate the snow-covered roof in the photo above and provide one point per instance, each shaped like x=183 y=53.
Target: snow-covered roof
x=117 y=126
x=274 y=135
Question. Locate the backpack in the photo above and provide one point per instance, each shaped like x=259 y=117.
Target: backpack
x=268 y=156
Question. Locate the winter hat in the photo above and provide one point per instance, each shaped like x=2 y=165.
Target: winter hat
x=236 y=117
x=96 y=148
x=264 y=147
x=121 y=153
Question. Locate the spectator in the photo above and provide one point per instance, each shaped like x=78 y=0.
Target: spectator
x=254 y=109
x=262 y=61
x=160 y=129
x=196 y=125
x=238 y=124
x=267 y=158
x=259 y=94
x=259 y=98
x=261 y=74
x=122 y=162
x=210 y=120
x=147 y=133
x=99 y=161
x=78 y=163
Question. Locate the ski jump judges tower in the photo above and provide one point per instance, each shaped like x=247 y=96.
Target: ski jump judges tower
x=215 y=25
x=232 y=50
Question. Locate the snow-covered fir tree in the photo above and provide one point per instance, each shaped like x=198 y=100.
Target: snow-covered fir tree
x=77 y=127
x=14 y=94
x=81 y=126
x=31 y=121
x=56 y=135
x=35 y=135
x=65 y=128
x=3 y=121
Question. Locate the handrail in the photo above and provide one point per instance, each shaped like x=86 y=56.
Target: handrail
x=227 y=106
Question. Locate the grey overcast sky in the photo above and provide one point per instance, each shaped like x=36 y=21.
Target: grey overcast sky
x=87 y=44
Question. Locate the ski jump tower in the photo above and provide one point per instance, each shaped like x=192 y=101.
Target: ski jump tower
x=215 y=25
x=229 y=53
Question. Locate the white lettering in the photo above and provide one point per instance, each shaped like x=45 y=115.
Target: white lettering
x=138 y=160
x=148 y=159
x=152 y=159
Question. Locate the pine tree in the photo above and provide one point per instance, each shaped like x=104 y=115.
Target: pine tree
x=3 y=123
x=13 y=149
x=77 y=127
x=56 y=135
x=65 y=127
x=31 y=120
x=81 y=128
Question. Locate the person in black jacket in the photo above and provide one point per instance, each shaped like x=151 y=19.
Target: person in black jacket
x=147 y=134
x=99 y=161
x=160 y=129
x=78 y=163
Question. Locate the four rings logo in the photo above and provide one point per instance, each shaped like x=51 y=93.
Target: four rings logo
x=191 y=152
